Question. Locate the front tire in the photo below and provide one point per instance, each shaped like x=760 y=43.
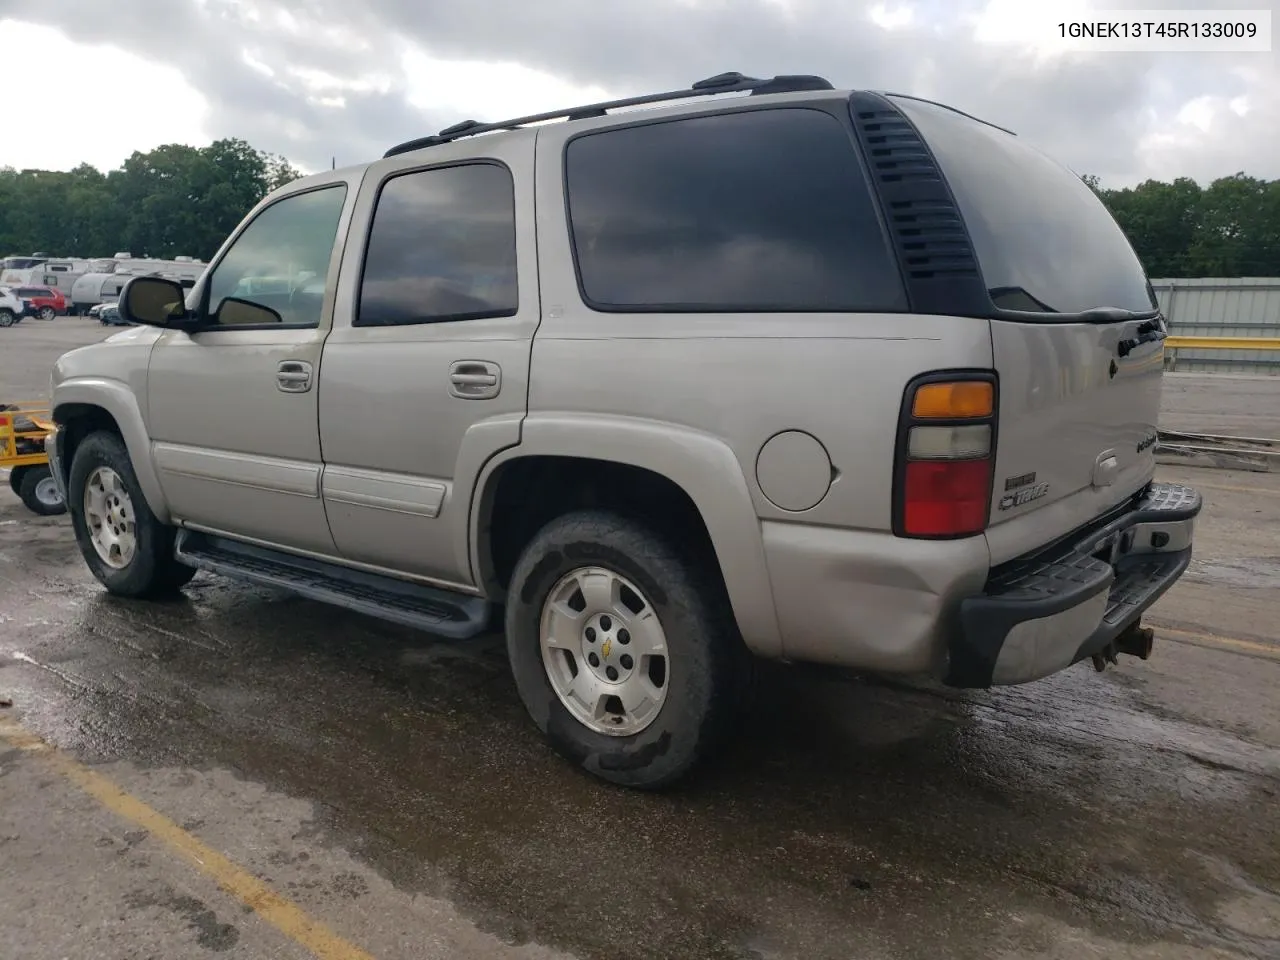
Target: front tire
x=7 y=317
x=47 y=313
x=40 y=493
x=624 y=649
x=124 y=545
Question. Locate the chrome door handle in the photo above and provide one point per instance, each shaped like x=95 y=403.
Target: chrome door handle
x=293 y=376
x=475 y=379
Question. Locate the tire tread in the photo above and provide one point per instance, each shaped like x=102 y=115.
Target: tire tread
x=154 y=571
x=693 y=599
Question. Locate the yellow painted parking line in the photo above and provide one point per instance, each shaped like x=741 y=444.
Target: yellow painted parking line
x=286 y=916
x=1268 y=650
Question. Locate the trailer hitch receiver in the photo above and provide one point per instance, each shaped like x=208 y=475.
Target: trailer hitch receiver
x=1135 y=641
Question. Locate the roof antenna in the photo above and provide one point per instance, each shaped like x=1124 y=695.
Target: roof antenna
x=333 y=163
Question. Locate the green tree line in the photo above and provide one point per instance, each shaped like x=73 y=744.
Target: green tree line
x=175 y=200
x=179 y=200
x=1230 y=228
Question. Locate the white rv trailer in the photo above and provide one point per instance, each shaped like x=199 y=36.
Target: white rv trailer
x=82 y=280
x=58 y=273
x=95 y=288
x=178 y=268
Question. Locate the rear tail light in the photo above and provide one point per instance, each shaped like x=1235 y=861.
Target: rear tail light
x=946 y=450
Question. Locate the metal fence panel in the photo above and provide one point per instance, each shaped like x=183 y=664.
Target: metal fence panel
x=1222 y=307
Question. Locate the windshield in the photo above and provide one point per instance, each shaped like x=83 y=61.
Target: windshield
x=1043 y=239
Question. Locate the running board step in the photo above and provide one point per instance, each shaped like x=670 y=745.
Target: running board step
x=455 y=616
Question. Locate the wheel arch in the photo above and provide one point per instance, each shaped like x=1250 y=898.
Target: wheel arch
x=701 y=469
x=83 y=406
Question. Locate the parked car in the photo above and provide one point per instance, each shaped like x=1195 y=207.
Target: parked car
x=813 y=375
x=12 y=307
x=108 y=314
x=95 y=312
x=43 y=302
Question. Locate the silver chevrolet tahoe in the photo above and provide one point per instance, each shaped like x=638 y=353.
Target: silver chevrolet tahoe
x=764 y=369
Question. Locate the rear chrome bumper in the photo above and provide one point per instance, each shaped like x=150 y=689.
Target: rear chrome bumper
x=1040 y=614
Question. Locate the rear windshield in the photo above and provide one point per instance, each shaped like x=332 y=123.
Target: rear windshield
x=1044 y=241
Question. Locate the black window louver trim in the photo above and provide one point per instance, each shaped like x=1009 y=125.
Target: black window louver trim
x=928 y=232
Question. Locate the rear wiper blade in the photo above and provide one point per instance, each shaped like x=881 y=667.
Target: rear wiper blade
x=1110 y=315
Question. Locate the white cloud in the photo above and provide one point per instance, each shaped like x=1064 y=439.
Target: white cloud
x=1215 y=135
x=891 y=17
x=478 y=90
x=314 y=78
x=1199 y=112
x=96 y=105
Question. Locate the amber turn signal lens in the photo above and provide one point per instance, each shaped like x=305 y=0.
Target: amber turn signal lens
x=960 y=400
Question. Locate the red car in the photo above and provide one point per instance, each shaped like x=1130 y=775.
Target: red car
x=43 y=302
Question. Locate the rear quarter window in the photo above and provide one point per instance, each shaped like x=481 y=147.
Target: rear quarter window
x=759 y=210
x=1044 y=241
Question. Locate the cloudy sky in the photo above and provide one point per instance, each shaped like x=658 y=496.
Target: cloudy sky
x=315 y=79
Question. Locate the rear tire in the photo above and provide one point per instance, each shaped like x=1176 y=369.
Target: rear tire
x=40 y=493
x=684 y=707
x=124 y=545
x=15 y=479
x=7 y=317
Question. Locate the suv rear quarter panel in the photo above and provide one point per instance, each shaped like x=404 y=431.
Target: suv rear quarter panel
x=738 y=380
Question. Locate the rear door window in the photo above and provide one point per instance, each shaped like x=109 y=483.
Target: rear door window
x=751 y=211
x=442 y=248
x=1044 y=241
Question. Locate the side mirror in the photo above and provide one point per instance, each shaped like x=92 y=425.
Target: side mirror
x=154 y=301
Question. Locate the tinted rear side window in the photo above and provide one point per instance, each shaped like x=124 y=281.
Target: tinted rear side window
x=1044 y=242
x=442 y=247
x=760 y=210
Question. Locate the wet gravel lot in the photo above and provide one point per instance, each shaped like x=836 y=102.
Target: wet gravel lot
x=391 y=788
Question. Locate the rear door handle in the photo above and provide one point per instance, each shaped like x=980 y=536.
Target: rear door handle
x=475 y=379
x=293 y=376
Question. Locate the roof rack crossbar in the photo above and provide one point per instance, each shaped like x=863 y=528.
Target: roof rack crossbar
x=722 y=83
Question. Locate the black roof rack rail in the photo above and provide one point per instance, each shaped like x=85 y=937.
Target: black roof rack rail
x=945 y=106
x=732 y=82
